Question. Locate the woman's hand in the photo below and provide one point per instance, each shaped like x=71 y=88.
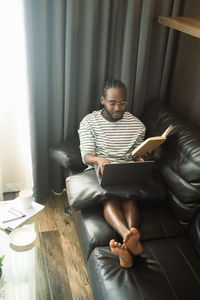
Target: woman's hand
x=148 y=156
x=101 y=161
x=92 y=160
x=138 y=158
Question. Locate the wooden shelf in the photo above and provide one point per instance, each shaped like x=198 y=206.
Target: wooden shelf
x=184 y=24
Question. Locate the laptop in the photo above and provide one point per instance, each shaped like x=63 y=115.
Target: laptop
x=126 y=173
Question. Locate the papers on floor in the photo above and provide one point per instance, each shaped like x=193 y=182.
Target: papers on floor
x=12 y=215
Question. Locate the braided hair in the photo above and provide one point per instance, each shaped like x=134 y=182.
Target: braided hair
x=116 y=83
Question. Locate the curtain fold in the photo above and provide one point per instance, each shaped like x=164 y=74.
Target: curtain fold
x=73 y=46
x=15 y=158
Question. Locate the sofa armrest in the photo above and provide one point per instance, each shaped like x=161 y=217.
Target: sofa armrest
x=67 y=154
x=83 y=190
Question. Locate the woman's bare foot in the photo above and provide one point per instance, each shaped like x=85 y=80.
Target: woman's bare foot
x=125 y=257
x=132 y=241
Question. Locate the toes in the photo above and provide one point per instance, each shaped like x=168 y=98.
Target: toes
x=128 y=234
x=119 y=245
x=134 y=230
x=112 y=242
x=116 y=244
x=131 y=232
x=124 y=247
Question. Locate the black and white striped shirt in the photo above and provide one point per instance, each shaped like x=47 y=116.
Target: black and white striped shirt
x=112 y=140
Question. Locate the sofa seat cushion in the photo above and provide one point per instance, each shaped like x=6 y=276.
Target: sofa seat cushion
x=168 y=269
x=83 y=190
x=158 y=223
x=94 y=231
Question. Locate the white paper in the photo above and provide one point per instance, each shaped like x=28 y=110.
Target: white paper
x=6 y=213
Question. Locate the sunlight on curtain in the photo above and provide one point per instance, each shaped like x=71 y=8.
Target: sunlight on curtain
x=15 y=158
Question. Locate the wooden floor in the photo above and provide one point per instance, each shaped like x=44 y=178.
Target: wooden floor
x=66 y=268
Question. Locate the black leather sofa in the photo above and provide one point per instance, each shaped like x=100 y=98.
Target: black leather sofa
x=169 y=266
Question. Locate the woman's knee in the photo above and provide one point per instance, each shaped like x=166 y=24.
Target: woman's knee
x=110 y=205
x=129 y=204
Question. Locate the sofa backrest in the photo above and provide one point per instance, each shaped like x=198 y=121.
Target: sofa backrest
x=178 y=159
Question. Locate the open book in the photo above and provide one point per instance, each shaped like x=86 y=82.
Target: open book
x=151 y=143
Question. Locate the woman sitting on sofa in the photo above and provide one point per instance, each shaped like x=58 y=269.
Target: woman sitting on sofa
x=110 y=135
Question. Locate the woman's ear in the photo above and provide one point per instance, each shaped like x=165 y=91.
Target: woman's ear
x=102 y=100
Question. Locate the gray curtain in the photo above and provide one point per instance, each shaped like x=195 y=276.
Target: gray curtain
x=73 y=46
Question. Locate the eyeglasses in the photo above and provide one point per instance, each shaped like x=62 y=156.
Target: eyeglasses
x=114 y=103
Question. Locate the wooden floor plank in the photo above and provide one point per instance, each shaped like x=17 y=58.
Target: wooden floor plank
x=46 y=216
x=76 y=271
x=65 y=225
x=56 y=227
x=43 y=293
x=58 y=276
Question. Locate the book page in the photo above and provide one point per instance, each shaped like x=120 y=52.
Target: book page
x=152 y=143
x=148 y=146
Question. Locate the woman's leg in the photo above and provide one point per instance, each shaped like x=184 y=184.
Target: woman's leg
x=132 y=216
x=122 y=215
x=131 y=213
x=114 y=215
x=124 y=218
